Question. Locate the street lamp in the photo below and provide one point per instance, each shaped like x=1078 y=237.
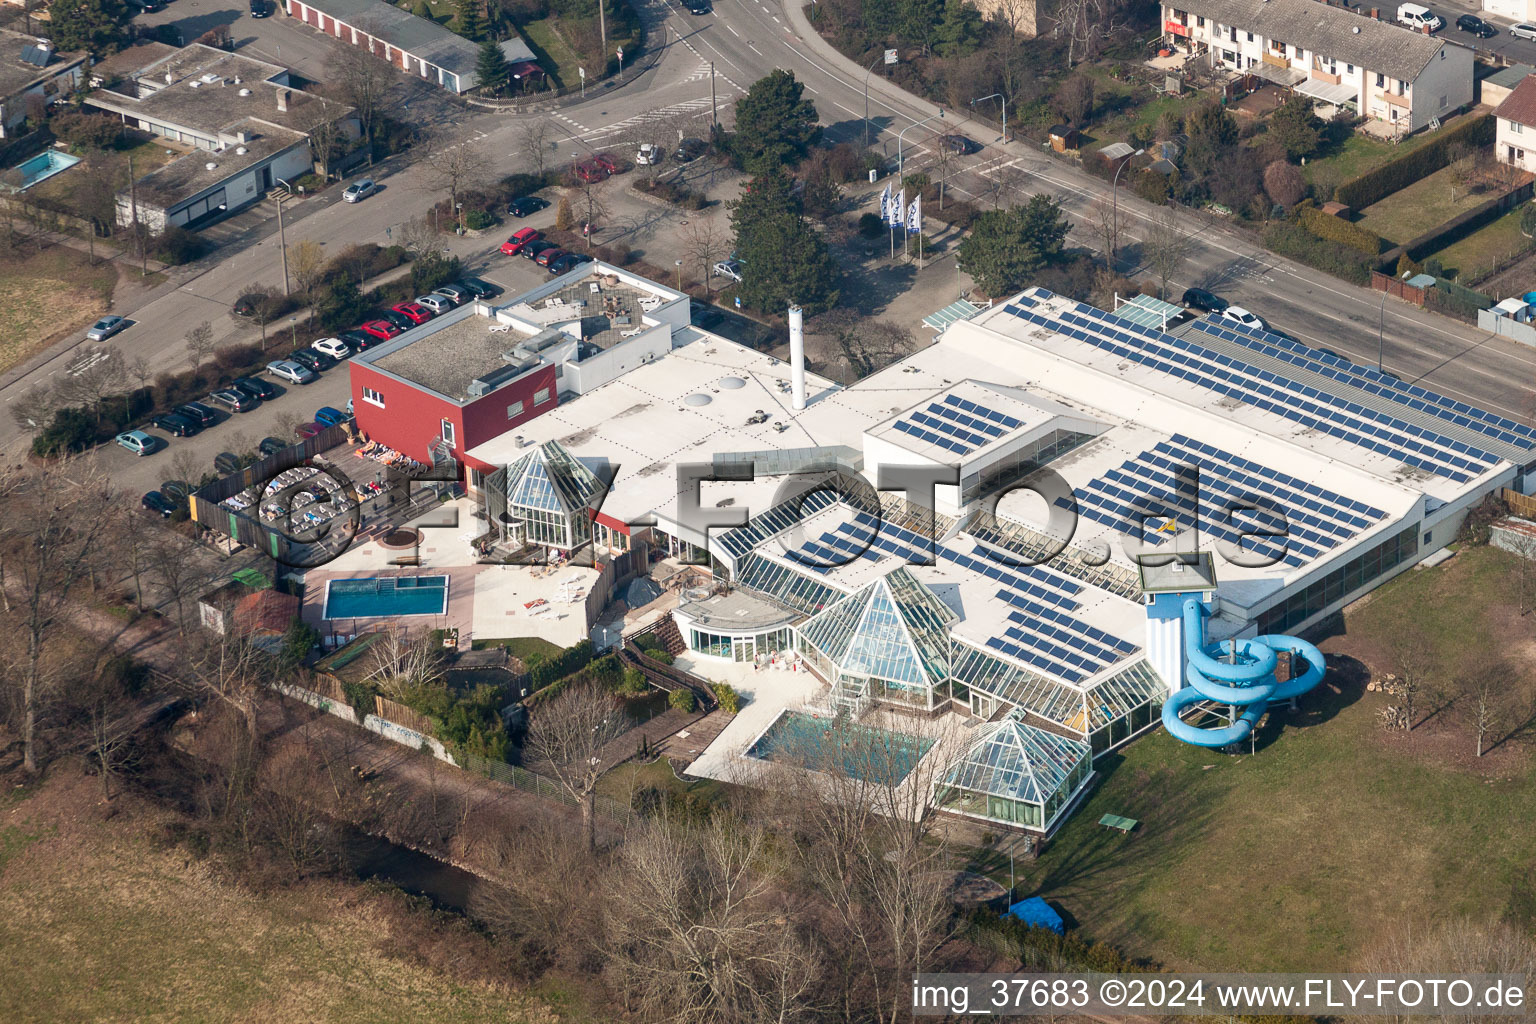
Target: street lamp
x=679 y=265
x=1004 y=99
x=460 y=208
x=886 y=56
x=293 y=331
x=1381 y=340
x=900 y=163
x=1114 y=197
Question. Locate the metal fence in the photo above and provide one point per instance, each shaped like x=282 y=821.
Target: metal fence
x=545 y=789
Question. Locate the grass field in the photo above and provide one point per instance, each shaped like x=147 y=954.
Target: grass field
x=45 y=295
x=1360 y=152
x=559 y=59
x=100 y=924
x=1301 y=856
x=1489 y=246
x=1426 y=203
x=521 y=647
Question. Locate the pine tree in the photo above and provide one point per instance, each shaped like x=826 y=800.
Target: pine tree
x=784 y=259
x=775 y=124
x=471 y=20
x=99 y=26
x=959 y=33
x=491 y=68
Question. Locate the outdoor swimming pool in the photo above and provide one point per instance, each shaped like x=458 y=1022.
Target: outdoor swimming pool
x=862 y=751
x=45 y=165
x=383 y=596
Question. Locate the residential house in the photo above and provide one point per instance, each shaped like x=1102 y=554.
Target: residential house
x=32 y=73
x=1375 y=68
x=1515 y=135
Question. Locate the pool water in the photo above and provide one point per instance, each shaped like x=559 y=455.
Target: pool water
x=382 y=596
x=862 y=751
x=45 y=165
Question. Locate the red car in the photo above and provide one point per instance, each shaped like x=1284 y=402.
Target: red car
x=415 y=313
x=381 y=329
x=514 y=245
x=592 y=172
x=608 y=162
x=543 y=259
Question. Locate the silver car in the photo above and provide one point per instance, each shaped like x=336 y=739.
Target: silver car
x=294 y=373
x=438 y=304
x=104 y=328
x=359 y=190
x=1524 y=30
x=730 y=269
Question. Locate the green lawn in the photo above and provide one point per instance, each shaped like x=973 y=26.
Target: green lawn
x=1300 y=857
x=554 y=53
x=521 y=647
x=1475 y=256
x=1430 y=201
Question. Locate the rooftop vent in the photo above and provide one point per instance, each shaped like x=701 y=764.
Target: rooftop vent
x=482 y=386
x=245 y=92
x=194 y=83
x=241 y=150
x=210 y=165
x=732 y=383
x=697 y=399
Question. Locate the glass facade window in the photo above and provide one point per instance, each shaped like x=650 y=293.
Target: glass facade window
x=740 y=648
x=1015 y=466
x=1016 y=773
x=1346 y=579
x=514 y=410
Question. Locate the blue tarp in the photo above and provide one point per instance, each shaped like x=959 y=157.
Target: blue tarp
x=1038 y=913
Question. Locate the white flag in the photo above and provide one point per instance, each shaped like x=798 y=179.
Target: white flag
x=915 y=215
x=898 y=209
x=885 y=204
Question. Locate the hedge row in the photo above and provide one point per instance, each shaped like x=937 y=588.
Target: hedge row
x=1395 y=175
x=1295 y=242
x=1337 y=229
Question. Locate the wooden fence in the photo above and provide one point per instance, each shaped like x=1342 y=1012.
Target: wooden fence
x=1522 y=505
x=402 y=715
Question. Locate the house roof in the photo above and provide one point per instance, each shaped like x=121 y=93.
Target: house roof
x=1379 y=46
x=17 y=74
x=1508 y=78
x=418 y=36
x=1520 y=105
x=265 y=611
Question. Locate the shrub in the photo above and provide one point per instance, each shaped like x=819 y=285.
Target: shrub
x=1296 y=242
x=659 y=655
x=730 y=700
x=682 y=699
x=1395 y=175
x=564 y=219
x=479 y=220
x=1337 y=229
x=87 y=131
x=360 y=697
x=176 y=246
x=633 y=683
x=236 y=357
x=648 y=642
x=72 y=430
x=871 y=226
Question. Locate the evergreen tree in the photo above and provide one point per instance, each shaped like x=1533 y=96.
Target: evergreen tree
x=1212 y=133
x=1296 y=127
x=959 y=33
x=784 y=260
x=98 y=26
x=491 y=68
x=916 y=21
x=1006 y=247
x=470 y=22
x=775 y=124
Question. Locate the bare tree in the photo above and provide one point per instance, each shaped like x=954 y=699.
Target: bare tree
x=591 y=203
x=90 y=377
x=1523 y=546
x=1166 y=248
x=306 y=260
x=362 y=76
x=110 y=714
x=536 y=138
x=417 y=235
x=229 y=670
x=200 y=344
x=455 y=168
x=404 y=664
x=1414 y=656
x=96 y=198
x=1453 y=945
x=139 y=369
x=565 y=741
x=178 y=573
x=705 y=240
x=187 y=468
x=1109 y=227
x=34 y=408
x=865 y=343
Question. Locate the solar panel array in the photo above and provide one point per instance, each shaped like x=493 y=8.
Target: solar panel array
x=864 y=536
x=1409 y=443
x=1312 y=520
x=775 y=521
x=1373 y=382
x=957 y=424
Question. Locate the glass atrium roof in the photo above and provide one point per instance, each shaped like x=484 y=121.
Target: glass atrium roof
x=1017 y=761
x=550 y=478
x=893 y=629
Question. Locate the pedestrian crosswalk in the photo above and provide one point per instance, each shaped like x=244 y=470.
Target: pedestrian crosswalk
x=676 y=111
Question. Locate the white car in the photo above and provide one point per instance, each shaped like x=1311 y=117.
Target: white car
x=292 y=372
x=359 y=190
x=1239 y=315
x=333 y=347
x=730 y=269
x=1524 y=30
x=438 y=304
x=1418 y=17
x=104 y=328
x=649 y=154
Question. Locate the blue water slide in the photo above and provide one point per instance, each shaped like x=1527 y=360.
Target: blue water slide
x=1236 y=672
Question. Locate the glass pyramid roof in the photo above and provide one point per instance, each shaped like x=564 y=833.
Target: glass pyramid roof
x=550 y=479
x=1017 y=761
x=893 y=629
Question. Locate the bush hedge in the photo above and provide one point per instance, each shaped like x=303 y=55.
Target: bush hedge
x=1299 y=244
x=1337 y=229
x=728 y=698
x=682 y=699
x=1395 y=175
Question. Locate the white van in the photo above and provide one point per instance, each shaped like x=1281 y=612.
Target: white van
x=1418 y=17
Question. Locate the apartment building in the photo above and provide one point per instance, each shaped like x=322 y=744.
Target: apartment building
x=1375 y=68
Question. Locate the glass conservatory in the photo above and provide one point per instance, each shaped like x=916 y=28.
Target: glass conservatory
x=887 y=641
x=547 y=498
x=1016 y=774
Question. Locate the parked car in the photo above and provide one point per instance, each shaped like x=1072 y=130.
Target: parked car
x=414 y=311
x=272 y=445
x=649 y=154
x=522 y=206
x=291 y=370
x=234 y=399
x=480 y=289
x=690 y=150
x=144 y=6
x=308 y=430
x=457 y=293
x=1418 y=17
x=175 y=425
x=1209 y=302
x=154 y=501
x=329 y=417
x=697 y=6
x=438 y=304
x=591 y=172
x=532 y=249
x=959 y=145
x=382 y=330
x=609 y=163
x=570 y=261
x=1477 y=26
x=137 y=442
x=1239 y=315
x=359 y=190
x=359 y=340
x=707 y=317
x=261 y=8
x=520 y=238
x=730 y=269
x=399 y=320
x=315 y=362
x=548 y=256
x=198 y=413
x=333 y=347
x=104 y=328
x=254 y=387
x=1524 y=30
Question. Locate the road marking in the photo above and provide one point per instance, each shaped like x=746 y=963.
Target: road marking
x=754 y=49
x=734 y=32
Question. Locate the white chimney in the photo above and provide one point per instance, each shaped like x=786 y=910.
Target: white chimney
x=282 y=99
x=797 y=356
